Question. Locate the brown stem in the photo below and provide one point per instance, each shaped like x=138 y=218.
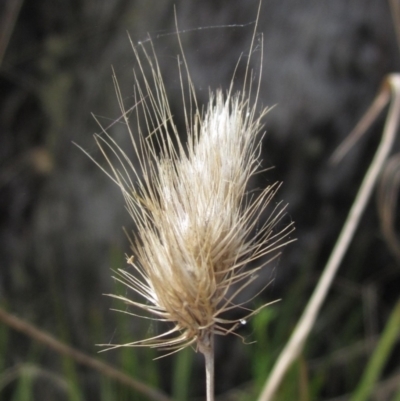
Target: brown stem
x=80 y=357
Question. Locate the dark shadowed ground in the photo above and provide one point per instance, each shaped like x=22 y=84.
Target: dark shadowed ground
x=61 y=218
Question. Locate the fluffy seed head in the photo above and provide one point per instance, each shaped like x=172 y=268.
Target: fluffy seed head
x=196 y=223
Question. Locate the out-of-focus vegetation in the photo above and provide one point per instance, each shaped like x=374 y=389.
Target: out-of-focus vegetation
x=61 y=219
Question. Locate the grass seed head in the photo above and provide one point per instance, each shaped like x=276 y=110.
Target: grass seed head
x=196 y=222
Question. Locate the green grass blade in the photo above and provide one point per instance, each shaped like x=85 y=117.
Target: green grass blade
x=379 y=357
x=182 y=374
x=24 y=390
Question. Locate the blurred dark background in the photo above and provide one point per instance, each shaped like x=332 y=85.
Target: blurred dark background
x=61 y=218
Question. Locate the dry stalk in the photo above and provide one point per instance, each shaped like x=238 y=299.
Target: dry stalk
x=388 y=194
x=11 y=9
x=80 y=357
x=390 y=87
x=207 y=349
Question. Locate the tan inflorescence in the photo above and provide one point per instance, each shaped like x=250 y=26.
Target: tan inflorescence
x=198 y=243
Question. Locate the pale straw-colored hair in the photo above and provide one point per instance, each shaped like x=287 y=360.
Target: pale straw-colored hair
x=199 y=242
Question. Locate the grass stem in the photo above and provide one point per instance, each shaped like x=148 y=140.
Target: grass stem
x=80 y=357
x=296 y=342
x=207 y=349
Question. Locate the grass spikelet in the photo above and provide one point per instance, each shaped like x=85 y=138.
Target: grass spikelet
x=197 y=225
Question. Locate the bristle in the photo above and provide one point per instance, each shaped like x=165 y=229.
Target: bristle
x=195 y=221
